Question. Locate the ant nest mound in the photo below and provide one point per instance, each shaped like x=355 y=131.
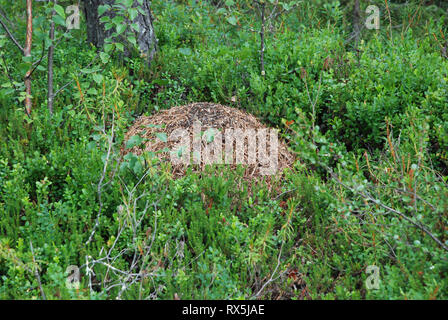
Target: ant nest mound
x=200 y=134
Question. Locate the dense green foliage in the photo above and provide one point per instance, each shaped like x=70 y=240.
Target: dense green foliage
x=369 y=125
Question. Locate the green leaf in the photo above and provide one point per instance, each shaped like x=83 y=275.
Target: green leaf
x=133 y=141
x=59 y=20
x=105 y=19
x=180 y=151
x=132 y=40
x=118 y=20
x=104 y=57
x=232 y=20
x=138 y=168
x=108 y=47
x=209 y=136
x=60 y=11
x=152 y=126
x=127 y=3
x=98 y=78
x=221 y=11
x=102 y=9
x=162 y=136
x=121 y=28
x=119 y=46
x=108 y=26
x=135 y=26
x=133 y=13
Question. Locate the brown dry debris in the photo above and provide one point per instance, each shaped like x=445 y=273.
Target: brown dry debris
x=210 y=115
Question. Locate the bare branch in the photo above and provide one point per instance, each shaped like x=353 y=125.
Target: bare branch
x=36 y=273
x=271 y=279
x=13 y=39
x=100 y=183
x=367 y=196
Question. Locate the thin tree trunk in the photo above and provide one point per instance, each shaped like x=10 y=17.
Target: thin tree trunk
x=50 y=94
x=263 y=9
x=356 y=22
x=27 y=53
